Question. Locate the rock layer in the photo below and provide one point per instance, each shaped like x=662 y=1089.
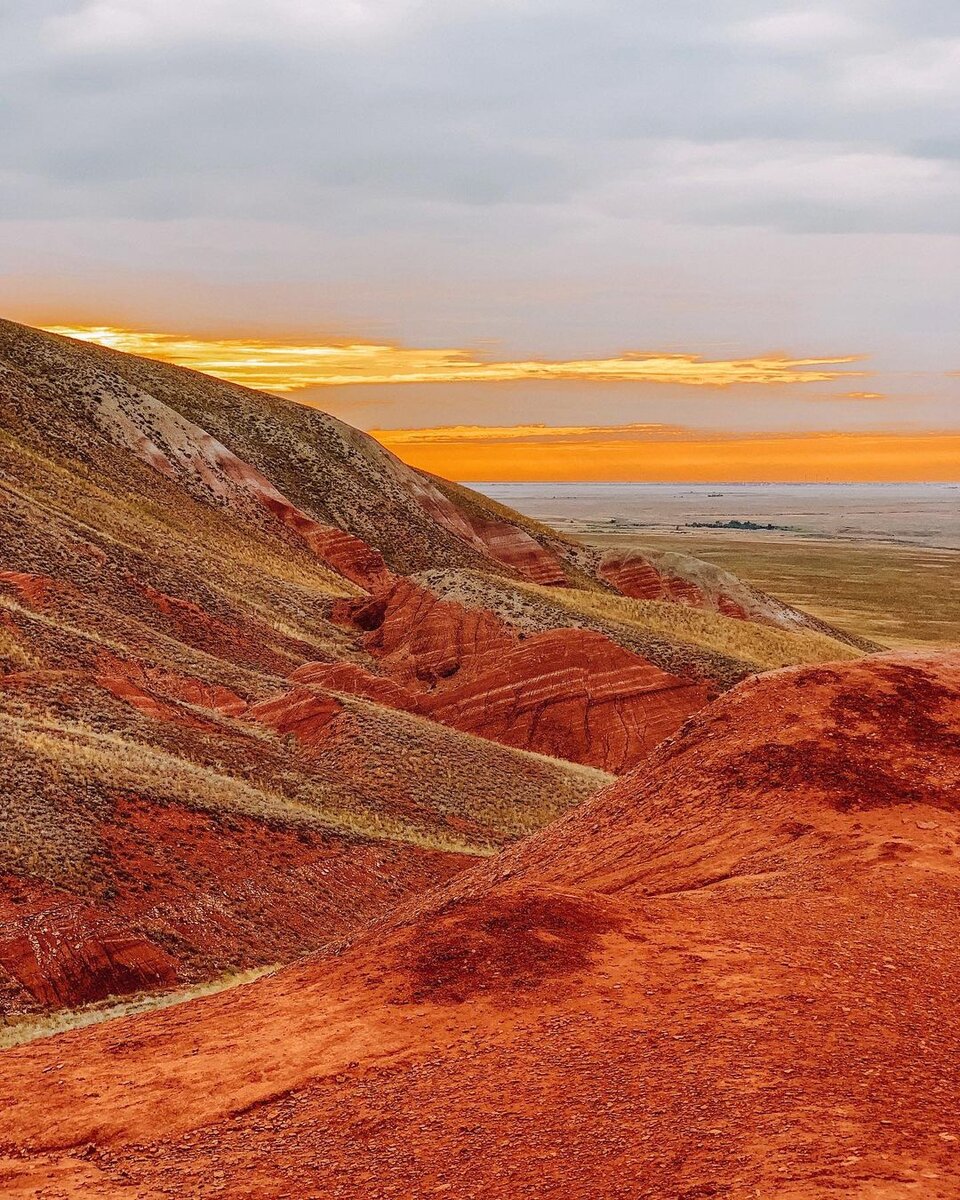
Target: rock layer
x=731 y=973
x=573 y=694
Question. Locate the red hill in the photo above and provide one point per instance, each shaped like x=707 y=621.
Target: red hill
x=730 y=973
x=259 y=681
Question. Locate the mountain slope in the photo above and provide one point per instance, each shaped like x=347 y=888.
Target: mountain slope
x=733 y=974
x=231 y=621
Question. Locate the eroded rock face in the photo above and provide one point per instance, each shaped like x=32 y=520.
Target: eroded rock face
x=304 y=713
x=667 y=575
x=422 y=641
x=178 y=448
x=499 y=540
x=69 y=955
x=352 y=680
x=572 y=694
x=634 y=575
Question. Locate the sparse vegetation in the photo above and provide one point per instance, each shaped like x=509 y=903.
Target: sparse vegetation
x=119 y=763
x=19 y=1029
x=899 y=596
x=763 y=647
x=13 y=652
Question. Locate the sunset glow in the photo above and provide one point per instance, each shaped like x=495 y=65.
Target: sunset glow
x=274 y=366
x=669 y=454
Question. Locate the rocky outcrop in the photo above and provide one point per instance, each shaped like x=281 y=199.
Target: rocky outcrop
x=633 y=574
x=352 y=680
x=303 y=713
x=68 y=956
x=419 y=640
x=573 y=694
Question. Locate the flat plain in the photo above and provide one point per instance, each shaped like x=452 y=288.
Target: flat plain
x=882 y=562
x=900 y=596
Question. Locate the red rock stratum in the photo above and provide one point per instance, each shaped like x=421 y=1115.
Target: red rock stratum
x=260 y=681
x=731 y=973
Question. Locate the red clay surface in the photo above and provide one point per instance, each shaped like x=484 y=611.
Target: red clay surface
x=569 y=693
x=734 y=973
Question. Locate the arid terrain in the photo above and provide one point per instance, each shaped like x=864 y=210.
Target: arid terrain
x=731 y=973
x=515 y=863
x=879 y=561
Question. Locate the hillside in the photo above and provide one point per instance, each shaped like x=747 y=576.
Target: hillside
x=259 y=680
x=732 y=972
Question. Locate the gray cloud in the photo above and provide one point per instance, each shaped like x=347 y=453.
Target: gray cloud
x=204 y=108
x=561 y=176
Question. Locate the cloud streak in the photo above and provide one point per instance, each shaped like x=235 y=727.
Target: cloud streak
x=276 y=366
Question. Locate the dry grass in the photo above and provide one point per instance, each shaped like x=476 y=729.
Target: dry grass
x=109 y=760
x=178 y=525
x=502 y=790
x=899 y=596
x=166 y=651
x=14 y=653
x=761 y=646
x=18 y=1030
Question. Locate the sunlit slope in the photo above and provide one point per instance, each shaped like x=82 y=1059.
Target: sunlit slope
x=731 y=972
x=259 y=680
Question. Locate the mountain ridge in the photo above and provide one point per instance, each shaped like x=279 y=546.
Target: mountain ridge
x=323 y=647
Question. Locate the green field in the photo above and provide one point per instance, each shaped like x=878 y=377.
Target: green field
x=900 y=596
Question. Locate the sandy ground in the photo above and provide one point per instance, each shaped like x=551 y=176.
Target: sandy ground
x=733 y=977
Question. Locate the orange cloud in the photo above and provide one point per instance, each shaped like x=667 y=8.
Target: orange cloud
x=669 y=454
x=285 y=367
x=526 y=435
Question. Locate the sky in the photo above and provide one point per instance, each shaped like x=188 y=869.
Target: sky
x=544 y=239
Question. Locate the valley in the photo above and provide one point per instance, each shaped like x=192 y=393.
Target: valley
x=358 y=829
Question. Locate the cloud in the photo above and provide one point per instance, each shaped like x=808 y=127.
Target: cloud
x=916 y=74
x=559 y=178
x=801 y=30
x=125 y=25
x=387 y=114
x=284 y=367
x=518 y=435
x=809 y=186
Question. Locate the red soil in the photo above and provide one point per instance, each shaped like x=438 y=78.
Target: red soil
x=496 y=539
x=351 y=680
x=61 y=953
x=156 y=682
x=707 y=981
x=573 y=694
x=569 y=693
x=349 y=555
x=635 y=576
x=193 y=894
x=304 y=713
x=34 y=589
